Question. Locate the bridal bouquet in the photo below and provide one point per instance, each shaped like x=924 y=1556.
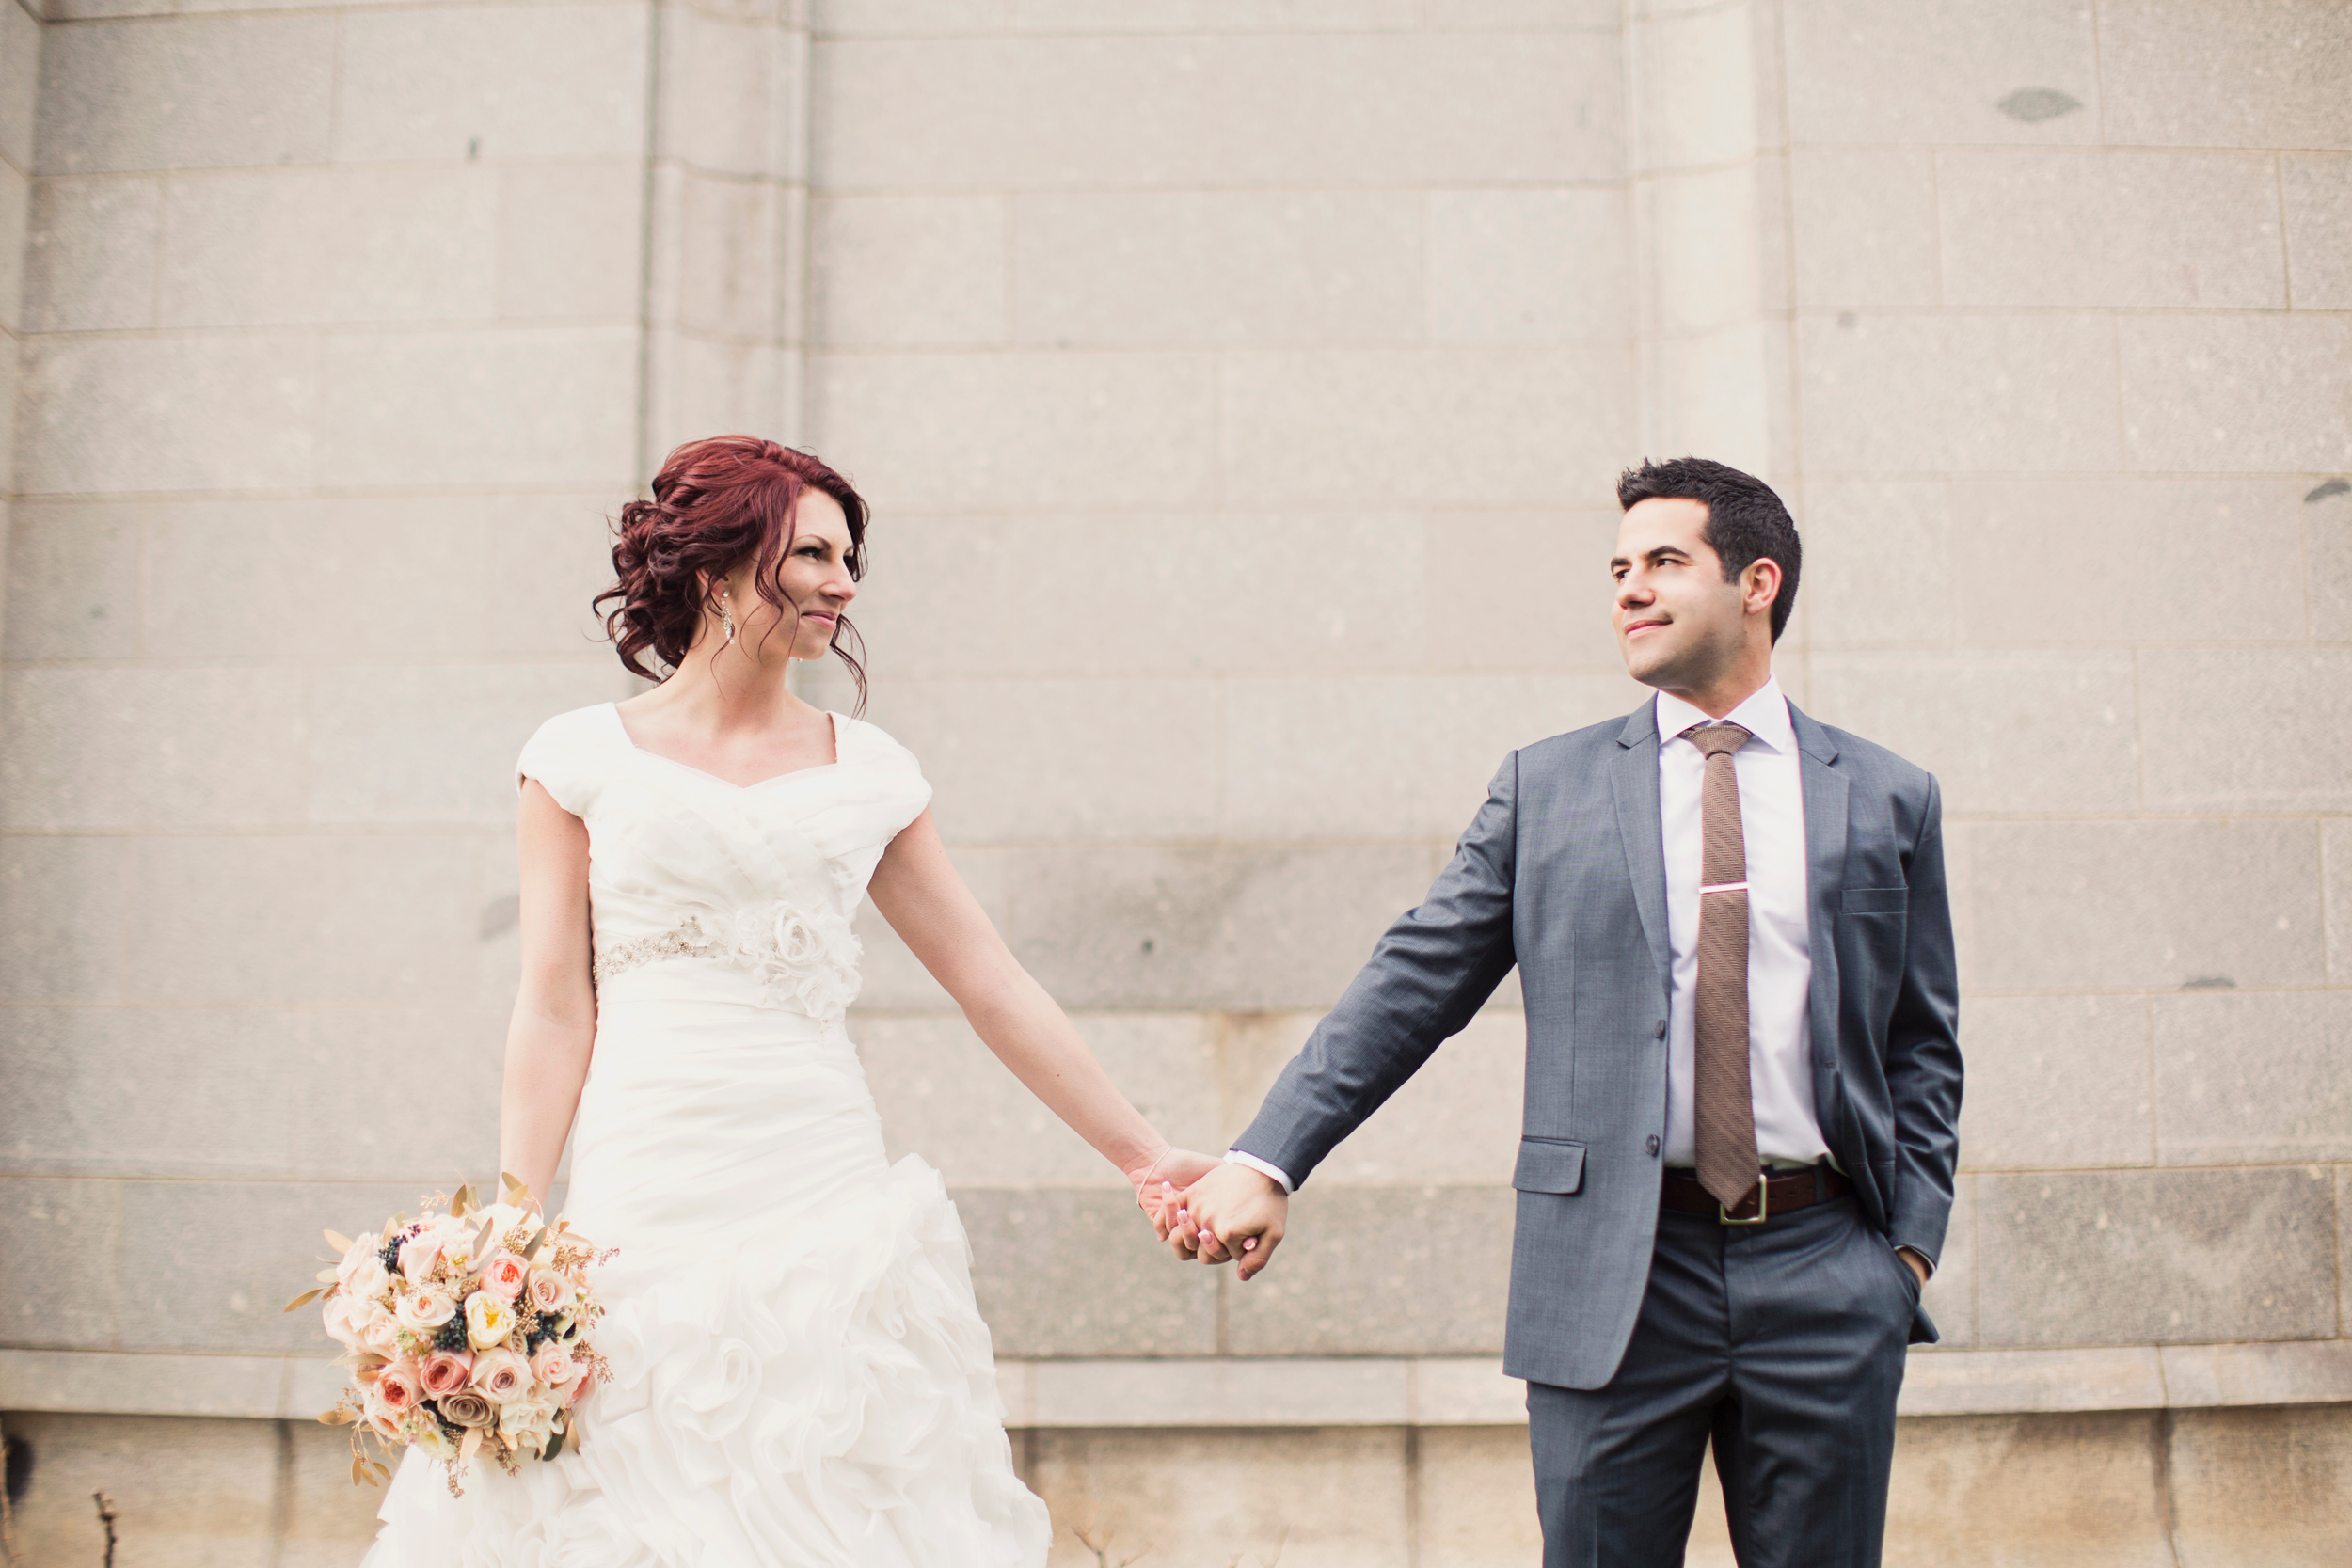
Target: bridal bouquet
x=466 y=1328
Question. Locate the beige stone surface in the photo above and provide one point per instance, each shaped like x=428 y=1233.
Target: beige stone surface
x=2046 y=1491
x=1878 y=563
x=2174 y=74
x=1525 y=266
x=2316 y=190
x=282 y=248
x=2251 y=1076
x=1915 y=70
x=2197 y=707
x=2181 y=229
x=1475 y=1493
x=2336 y=872
x=1063 y=1272
x=2005 y=393
x=2236 y=394
x=498 y=82
x=2028 y=1056
x=568 y=241
x=98 y=87
x=1355 y=1274
x=2201 y=560
x=88 y=253
x=2267 y=1486
x=907 y=270
x=1863 y=225
x=2156 y=1257
x=180 y=411
x=1334 y=1498
x=2155 y=905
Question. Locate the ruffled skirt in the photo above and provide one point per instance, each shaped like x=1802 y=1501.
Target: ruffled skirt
x=801 y=1374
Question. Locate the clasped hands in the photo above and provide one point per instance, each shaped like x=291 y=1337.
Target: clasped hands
x=1229 y=1212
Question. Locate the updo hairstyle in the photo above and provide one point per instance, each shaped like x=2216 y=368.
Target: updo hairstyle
x=716 y=504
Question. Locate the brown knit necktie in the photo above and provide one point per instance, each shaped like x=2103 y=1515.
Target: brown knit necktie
x=1724 y=1113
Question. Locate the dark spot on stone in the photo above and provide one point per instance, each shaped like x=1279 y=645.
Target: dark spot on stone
x=1845 y=319
x=499 y=915
x=2035 y=104
x=20 y=1469
x=2210 y=982
x=2333 y=488
x=1147 y=945
x=473 y=149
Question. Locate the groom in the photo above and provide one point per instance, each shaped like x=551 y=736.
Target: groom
x=1742 y=1071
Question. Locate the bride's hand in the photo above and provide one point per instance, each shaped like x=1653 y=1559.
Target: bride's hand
x=1160 y=1183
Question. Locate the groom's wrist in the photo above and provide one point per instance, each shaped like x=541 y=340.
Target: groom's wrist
x=1272 y=1172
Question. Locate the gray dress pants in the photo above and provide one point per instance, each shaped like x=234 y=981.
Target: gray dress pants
x=1783 y=1343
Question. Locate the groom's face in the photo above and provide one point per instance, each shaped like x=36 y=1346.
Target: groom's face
x=1678 y=623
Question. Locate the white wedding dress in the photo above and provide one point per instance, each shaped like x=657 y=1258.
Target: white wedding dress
x=801 y=1375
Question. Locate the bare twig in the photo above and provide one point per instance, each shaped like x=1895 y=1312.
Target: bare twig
x=1100 y=1546
x=106 y=1517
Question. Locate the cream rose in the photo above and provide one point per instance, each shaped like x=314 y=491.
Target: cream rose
x=504 y=1274
x=548 y=1291
x=529 y=1421
x=425 y=1308
x=418 y=1255
x=552 y=1365
x=336 y=1314
x=488 y=1320
x=379 y=1331
x=446 y=1371
x=363 y=1272
x=501 y=1375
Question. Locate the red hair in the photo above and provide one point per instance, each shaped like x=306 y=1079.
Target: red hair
x=716 y=504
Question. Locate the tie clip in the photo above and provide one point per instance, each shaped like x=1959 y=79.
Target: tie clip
x=1723 y=887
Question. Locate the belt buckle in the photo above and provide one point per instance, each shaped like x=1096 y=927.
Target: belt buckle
x=1763 y=1205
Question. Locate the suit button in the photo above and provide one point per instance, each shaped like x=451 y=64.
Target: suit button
x=1650 y=1145
x=1662 y=1030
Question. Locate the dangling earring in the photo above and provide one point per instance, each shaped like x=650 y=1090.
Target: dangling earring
x=726 y=617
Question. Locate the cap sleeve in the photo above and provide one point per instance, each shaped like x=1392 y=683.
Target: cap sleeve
x=563 y=757
x=893 y=789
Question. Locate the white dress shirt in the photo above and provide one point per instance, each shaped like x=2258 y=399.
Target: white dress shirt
x=1780 y=955
x=1780 y=952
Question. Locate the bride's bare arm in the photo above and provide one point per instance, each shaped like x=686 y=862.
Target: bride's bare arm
x=555 y=1008
x=917 y=890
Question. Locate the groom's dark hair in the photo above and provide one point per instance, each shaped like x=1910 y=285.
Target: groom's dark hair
x=1745 y=520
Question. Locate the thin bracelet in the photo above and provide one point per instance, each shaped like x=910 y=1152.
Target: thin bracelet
x=1145 y=1185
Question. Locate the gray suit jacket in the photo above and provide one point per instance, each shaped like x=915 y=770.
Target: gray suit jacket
x=1563 y=873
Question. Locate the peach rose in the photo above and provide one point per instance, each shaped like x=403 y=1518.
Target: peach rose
x=425 y=1308
x=380 y=1416
x=579 y=1390
x=446 y=1371
x=379 y=1331
x=501 y=1375
x=466 y=1408
x=488 y=1320
x=502 y=1275
x=549 y=1291
x=552 y=1365
x=397 y=1386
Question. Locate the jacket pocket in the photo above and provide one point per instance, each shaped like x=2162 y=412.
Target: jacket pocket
x=1549 y=1166
x=1876 y=900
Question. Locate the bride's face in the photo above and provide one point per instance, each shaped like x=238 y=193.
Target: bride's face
x=814 y=576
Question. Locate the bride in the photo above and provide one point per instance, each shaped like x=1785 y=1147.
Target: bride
x=800 y=1375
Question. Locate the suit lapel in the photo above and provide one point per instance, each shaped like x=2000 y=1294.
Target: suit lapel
x=1826 y=790
x=1633 y=780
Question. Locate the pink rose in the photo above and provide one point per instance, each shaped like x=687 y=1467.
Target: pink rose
x=446 y=1371
x=549 y=1291
x=501 y=1375
x=579 y=1390
x=425 y=1308
x=396 y=1386
x=502 y=1275
x=379 y=1330
x=553 y=1366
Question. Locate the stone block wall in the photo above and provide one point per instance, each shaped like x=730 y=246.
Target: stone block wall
x=1239 y=389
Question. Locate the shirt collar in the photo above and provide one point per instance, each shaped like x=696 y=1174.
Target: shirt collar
x=1764 y=716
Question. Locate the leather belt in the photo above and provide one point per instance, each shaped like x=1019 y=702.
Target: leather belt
x=1780 y=1196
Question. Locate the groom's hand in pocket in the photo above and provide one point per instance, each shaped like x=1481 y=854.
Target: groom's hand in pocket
x=1234 y=1212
